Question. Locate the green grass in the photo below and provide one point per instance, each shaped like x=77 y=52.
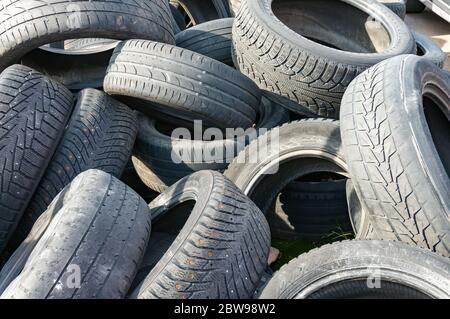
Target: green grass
x=290 y=249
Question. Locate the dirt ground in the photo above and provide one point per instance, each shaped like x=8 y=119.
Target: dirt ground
x=433 y=26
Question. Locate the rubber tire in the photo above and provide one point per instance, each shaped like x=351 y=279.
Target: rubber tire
x=158 y=245
x=97 y=223
x=319 y=142
x=33 y=113
x=394 y=162
x=186 y=85
x=311 y=76
x=222 y=250
x=47 y=21
x=396 y=6
x=362 y=228
x=100 y=135
x=211 y=39
x=427 y=49
x=414 y=6
x=77 y=69
x=178 y=20
x=88 y=44
x=153 y=152
x=310 y=211
x=335 y=272
x=201 y=11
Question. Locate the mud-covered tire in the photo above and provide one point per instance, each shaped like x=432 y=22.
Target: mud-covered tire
x=34 y=111
x=362 y=269
x=212 y=39
x=395 y=128
x=221 y=252
x=98 y=226
x=312 y=76
x=100 y=135
x=26 y=25
x=163 y=81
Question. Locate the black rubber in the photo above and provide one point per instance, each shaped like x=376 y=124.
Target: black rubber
x=100 y=135
x=395 y=126
x=271 y=40
x=158 y=244
x=179 y=23
x=77 y=68
x=88 y=44
x=297 y=149
x=359 y=219
x=96 y=225
x=313 y=211
x=26 y=24
x=427 y=49
x=414 y=6
x=185 y=84
x=33 y=113
x=200 y=11
x=221 y=252
x=155 y=149
x=212 y=39
x=360 y=270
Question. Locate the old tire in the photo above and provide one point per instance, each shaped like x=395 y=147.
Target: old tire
x=100 y=135
x=285 y=154
x=212 y=39
x=221 y=252
x=97 y=224
x=155 y=151
x=427 y=49
x=323 y=211
x=33 y=113
x=310 y=75
x=395 y=128
x=362 y=269
x=42 y=22
x=396 y=6
x=198 y=88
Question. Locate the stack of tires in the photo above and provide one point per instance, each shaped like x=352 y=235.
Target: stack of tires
x=153 y=149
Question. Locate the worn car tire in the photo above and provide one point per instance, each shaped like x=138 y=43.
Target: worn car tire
x=198 y=88
x=26 y=24
x=310 y=75
x=155 y=150
x=212 y=39
x=361 y=269
x=427 y=49
x=311 y=211
x=97 y=225
x=100 y=135
x=396 y=6
x=268 y=164
x=221 y=251
x=33 y=113
x=395 y=128
x=201 y=11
